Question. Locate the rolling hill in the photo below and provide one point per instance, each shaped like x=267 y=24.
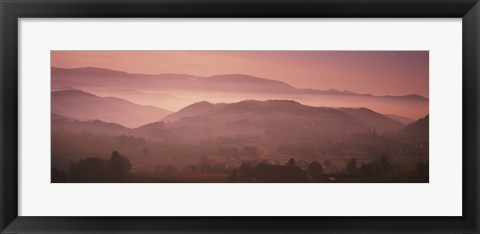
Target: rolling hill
x=80 y=105
x=378 y=121
x=62 y=124
x=276 y=119
x=419 y=128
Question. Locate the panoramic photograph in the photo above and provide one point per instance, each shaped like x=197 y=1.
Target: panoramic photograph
x=237 y=116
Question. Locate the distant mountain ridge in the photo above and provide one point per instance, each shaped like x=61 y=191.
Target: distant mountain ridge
x=175 y=91
x=226 y=82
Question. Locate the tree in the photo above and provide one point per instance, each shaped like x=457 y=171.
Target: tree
x=233 y=176
x=377 y=167
x=119 y=167
x=384 y=164
x=58 y=176
x=54 y=174
x=245 y=170
x=351 y=166
x=315 y=170
x=89 y=170
x=98 y=170
x=267 y=173
x=291 y=162
x=422 y=169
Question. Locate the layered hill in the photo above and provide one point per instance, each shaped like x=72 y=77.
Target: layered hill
x=61 y=124
x=92 y=76
x=174 y=91
x=274 y=119
x=419 y=128
x=375 y=120
x=80 y=105
x=278 y=119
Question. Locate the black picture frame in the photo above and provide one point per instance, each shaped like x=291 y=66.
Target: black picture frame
x=12 y=10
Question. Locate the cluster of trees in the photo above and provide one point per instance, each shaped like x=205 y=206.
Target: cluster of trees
x=377 y=167
x=202 y=168
x=117 y=168
x=265 y=172
x=423 y=169
x=95 y=170
x=314 y=172
x=381 y=170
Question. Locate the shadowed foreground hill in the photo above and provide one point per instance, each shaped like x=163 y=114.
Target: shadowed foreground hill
x=375 y=120
x=419 y=128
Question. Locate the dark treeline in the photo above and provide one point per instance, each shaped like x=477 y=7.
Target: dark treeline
x=117 y=168
x=264 y=172
x=95 y=170
x=375 y=171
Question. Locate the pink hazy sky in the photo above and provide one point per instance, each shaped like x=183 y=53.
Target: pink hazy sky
x=375 y=72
